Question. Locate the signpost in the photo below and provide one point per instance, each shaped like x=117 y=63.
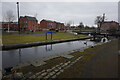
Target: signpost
x=50 y=33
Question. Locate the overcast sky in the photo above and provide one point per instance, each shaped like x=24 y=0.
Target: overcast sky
x=60 y=0
x=75 y=12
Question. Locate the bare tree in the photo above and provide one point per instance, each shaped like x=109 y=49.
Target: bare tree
x=68 y=24
x=99 y=20
x=3 y=18
x=10 y=17
x=35 y=15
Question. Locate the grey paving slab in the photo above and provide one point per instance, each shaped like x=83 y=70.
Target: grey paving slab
x=38 y=63
x=67 y=56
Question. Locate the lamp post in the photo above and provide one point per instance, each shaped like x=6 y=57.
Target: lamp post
x=18 y=17
x=19 y=30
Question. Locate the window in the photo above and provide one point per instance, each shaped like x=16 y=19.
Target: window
x=49 y=24
x=25 y=25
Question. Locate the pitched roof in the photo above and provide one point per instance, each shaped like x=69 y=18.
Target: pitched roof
x=48 y=20
x=29 y=18
x=111 y=22
x=53 y=21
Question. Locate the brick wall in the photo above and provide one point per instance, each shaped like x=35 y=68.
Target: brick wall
x=11 y=26
x=28 y=23
x=47 y=24
x=111 y=24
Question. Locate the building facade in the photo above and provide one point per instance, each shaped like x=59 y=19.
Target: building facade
x=28 y=23
x=109 y=24
x=48 y=24
x=12 y=26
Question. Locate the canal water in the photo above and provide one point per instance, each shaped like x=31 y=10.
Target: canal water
x=14 y=57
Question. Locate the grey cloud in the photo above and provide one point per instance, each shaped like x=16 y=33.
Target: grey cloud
x=66 y=11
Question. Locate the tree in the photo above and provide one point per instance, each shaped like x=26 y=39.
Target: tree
x=93 y=27
x=80 y=26
x=87 y=27
x=10 y=17
x=99 y=20
x=68 y=24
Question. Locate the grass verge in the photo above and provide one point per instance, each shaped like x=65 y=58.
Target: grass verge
x=15 y=39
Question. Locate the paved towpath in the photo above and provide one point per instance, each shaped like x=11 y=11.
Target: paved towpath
x=104 y=64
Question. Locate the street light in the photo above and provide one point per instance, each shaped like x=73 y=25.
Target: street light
x=19 y=29
x=18 y=17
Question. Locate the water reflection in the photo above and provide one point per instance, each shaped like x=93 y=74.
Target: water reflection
x=49 y=47
x=20 y=60
x=36 y=49
x=85 y=43
x=24 y=55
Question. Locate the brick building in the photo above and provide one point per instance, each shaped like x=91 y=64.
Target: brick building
x=109 y=24
x=28 y=23
x=12 y=26
x=48 y=24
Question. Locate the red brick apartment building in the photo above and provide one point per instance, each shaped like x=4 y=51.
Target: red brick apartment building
x=28 y=23
x=13 y=26
x=48 y=24
x=109 y=24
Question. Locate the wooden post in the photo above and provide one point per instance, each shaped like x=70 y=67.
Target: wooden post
x=51 y=36
x=46 y=36
x=94 y=37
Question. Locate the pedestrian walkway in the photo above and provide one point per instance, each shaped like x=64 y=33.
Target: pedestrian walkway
x=104 y=64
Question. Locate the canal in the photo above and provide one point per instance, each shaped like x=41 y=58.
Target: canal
x=12 y=58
